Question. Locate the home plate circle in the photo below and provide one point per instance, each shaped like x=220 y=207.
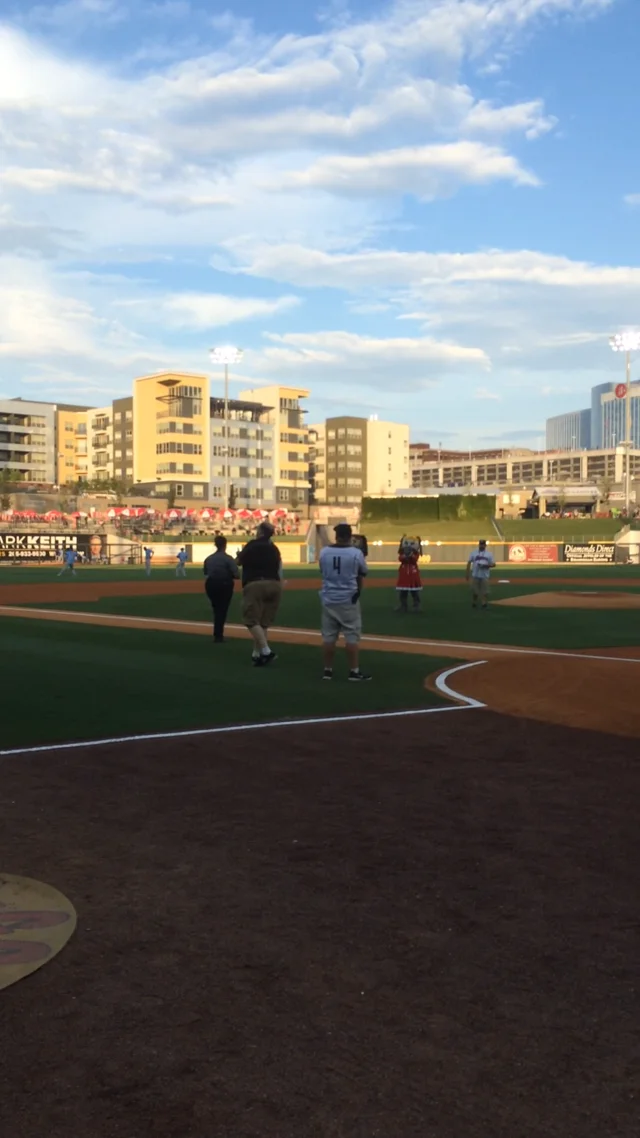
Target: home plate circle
x=36 y=921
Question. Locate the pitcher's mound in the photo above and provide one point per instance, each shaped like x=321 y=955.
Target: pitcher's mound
x=36 y=921
x=582 y=600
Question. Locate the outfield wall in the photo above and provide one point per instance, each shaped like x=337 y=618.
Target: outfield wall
x=509 y=553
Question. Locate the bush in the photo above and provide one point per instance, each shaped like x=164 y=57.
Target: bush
x=421 y=511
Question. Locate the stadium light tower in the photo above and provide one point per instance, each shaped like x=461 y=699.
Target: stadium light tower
x=627 y=342
x=226 y=355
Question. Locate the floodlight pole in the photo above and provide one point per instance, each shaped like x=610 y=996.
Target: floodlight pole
x=227 y=468
x=627 y=435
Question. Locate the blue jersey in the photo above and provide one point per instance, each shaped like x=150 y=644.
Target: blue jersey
x=148 y=554
x=183 y=556
x=70 y=556
x=340 y=567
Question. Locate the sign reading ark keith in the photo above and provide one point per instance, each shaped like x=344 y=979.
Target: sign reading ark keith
x=35 y=546
x=591 y=552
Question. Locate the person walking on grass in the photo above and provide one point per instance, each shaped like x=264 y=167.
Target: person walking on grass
x=343 y=569
x=181 y=567
x=69 y=559
x=261 y=591
x=221 y=573
x=148 y=554
x=479 y=567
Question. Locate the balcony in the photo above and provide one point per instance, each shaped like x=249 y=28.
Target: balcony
x=100 y=423
x=99 y=442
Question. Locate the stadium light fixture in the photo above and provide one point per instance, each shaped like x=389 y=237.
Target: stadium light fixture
x=226 y=354
x=627 y=341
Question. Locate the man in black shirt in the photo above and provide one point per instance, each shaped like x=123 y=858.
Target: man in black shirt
x=221 y=574
x=261 y=590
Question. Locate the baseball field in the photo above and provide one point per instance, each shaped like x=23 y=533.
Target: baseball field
x=297 y=909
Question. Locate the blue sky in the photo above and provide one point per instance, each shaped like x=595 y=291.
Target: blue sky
x=428 y=209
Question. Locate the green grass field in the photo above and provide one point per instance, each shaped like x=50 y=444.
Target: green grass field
x=65 y=682
x=433 y=531
x=72 y=682
x=561 y=529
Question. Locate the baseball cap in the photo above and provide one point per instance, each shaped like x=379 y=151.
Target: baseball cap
x=343 y=531
x=483 y=541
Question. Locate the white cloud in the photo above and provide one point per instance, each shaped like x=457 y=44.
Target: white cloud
x=632 y=199
x=302 y=265
x=405 y=363
x=424 y=171
x=485 y=394
x=211 y=310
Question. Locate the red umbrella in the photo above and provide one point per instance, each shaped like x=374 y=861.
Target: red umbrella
x=52 y=515
x=279 y=513
x=244 y=514
x=206 y=514
x=174 y=514
x=259 y=514
x=227 y=513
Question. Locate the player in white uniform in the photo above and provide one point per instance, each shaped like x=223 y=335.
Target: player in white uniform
x=479 y=567
x=343 y=569
x=181 y=567
x=148 y=554
x=69 y=559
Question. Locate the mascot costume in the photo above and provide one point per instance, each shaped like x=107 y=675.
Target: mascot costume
x=409 y=583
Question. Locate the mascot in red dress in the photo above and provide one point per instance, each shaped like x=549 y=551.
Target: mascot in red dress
x=409 y=582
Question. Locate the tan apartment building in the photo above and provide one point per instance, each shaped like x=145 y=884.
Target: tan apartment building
x=365 y=457
x=71 y=444
x=170 y=423
x=291 y=441
x=318 y=463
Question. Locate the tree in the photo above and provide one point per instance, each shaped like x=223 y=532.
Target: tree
x=171 y=497
x=561 y=499
x=233 y=497
x=8 y=479
x=605 y=488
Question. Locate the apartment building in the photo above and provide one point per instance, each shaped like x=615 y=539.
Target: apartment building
x=28 y=440
x=291 y=441
x=171 y=434
x=243 y=452
x=317 y=463
x=365 y=457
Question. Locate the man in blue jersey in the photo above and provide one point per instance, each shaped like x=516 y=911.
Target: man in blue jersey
x=343 y=569
x=69 y=559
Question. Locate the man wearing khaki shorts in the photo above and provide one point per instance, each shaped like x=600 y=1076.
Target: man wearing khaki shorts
x=479 y=567
x=261 y=590
x=343 y=569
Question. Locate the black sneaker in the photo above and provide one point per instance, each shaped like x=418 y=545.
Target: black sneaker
x=266 y=660
x=359 y=677
x=257 y=661
x=327 y=674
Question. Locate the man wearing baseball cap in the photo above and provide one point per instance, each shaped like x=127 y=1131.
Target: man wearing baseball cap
x=479 y=567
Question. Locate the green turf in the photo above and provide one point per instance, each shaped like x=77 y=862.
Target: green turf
x=433 y=531
x=561 y=529
x=71 y=682
x=446 y=616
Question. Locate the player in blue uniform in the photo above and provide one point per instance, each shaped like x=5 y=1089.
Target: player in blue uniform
x=181 y=567
x=69 y=559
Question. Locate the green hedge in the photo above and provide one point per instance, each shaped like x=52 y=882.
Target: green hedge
x=446 y=508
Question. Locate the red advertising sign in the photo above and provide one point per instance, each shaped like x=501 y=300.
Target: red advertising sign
x=621 y=390
x=518 y=554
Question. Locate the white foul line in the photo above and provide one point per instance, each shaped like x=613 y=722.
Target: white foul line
x=469 y=705
x=104 y=618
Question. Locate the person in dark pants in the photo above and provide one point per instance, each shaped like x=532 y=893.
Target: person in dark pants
x=221 y=573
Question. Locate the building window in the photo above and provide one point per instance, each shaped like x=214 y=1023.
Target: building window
x=128 y=416
x=179 y=490
x=283 y=494
x=198 y=491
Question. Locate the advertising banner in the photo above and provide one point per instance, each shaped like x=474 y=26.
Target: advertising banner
x=519 y=554
x=34 y=547
x=591 y=553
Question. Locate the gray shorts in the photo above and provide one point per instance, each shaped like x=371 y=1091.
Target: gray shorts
x=345 y=619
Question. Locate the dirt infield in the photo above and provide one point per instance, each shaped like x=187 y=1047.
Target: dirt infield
x=55 y=591
x=576 y=689
x=588 y=599
x=428 y=932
